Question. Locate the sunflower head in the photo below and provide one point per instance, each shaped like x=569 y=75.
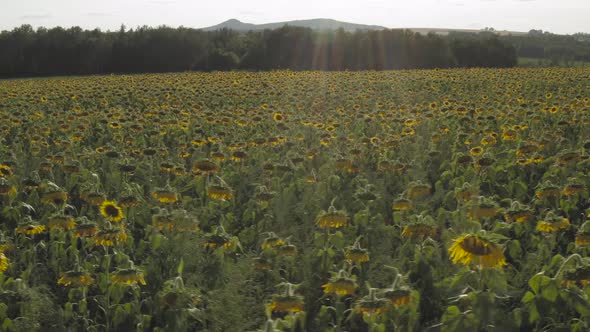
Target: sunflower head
x=75 y=279
x=331 y=219
x=111 y=211
x=477 y=250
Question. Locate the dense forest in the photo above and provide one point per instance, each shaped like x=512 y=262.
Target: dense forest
x=25 y=51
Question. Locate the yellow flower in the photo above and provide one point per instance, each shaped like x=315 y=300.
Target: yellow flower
x=419 y=230
x=286 y=304
x=357 y=255
x=3 y=262
x=165 y=196
x=30 y=229
x=5 y=171
x=476 y=151
x=331 y=219
x=402 y=204
x=340 y=286
x=278 y=117
x=111 y=211
x=85 y=230
x=110 y=237
x=128 y=277
x=220 y=193
x=553 y=225
x=61 y=222
x=398 y=297
x=76 y=279
x=205 y=167
x=474 y=249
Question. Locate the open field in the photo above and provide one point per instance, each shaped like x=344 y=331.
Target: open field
x=454 y=200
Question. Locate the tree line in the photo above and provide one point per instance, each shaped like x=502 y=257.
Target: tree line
x=25 y=51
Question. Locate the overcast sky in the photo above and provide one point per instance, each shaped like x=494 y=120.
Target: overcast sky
x=558 y=16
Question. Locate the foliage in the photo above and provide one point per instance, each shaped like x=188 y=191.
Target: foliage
x=296 y=201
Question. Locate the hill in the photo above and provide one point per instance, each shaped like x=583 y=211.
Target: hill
x=315 y=24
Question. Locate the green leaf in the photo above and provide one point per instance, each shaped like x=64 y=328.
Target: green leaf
x=534 y=313
x=538 y=281
x=180 y=266
x=550 y=292
x=7 y=325
x=528 y=297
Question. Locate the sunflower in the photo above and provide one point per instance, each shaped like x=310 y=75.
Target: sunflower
x=419 y=230
x=371 y=305
x=7 y=189
x=286 y=304
x=54 y=197
x=272 y=241
x=287 y=250
x=220 y=193
x=475 y=249
x=110 y=237
x=5 y=171
x=331 y=219
x=3 y=262
x=93 y=198
x=579 y=276
x=573 y=189
x=205 y=167
x=85 y=230
x=418 y=190
x=128 y=277
x=278 y=117
x=476 y=151
x=165 y=196
x=76 y=279
x=111 y=211
x=30 y=229
x=398 y=297
x=402 y=204
x=340 y=286
x=553 y=223
x=356 y=255
x=61 y=222
x=582 y=239
x=238 y=156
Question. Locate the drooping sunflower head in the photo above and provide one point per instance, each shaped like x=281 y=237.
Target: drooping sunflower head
x=57 y=197
x=331 y=219
x=129 y=277
x=75 y=279
x=29 y=227
x=371 y=305
x=578 y=276
x=272 y=241
x=220 y=193
x=111 y=211
x=165 y=196
x=418 y=190
x=61 y=222
x=205 y=167
x=286 y=304
x=402 y=204
x=477 y=250
x=398 y=297
x=3 y=262
x=110 y=237
x=552 y=223
x=340 y=284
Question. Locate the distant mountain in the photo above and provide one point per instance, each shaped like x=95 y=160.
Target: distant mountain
x=315 y=24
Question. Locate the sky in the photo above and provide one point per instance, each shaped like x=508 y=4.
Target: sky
x=557 y=16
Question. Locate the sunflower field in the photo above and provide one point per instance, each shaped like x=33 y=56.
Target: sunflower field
x=422 y=200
